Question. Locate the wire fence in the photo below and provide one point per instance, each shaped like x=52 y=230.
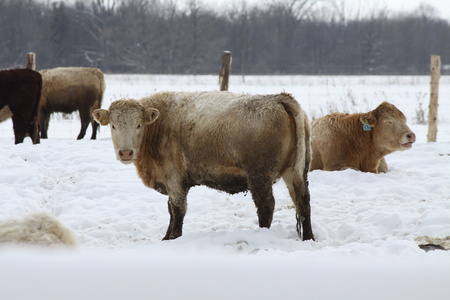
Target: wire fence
x=318 y=95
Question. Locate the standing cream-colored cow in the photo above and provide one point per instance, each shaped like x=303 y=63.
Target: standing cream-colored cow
x=68 y=90
x=359 y=141
x=225 y=141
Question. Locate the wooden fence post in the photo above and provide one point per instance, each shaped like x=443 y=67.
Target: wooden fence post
x=225 y=71
x=31 y=62
x=432 y=109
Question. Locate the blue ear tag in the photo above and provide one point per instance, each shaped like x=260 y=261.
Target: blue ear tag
x=366 y=127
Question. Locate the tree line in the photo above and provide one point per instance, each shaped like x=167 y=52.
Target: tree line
x=165 y=37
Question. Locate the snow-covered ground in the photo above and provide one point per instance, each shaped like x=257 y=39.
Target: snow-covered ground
x=366 y=225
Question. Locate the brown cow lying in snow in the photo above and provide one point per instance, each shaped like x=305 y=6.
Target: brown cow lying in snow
x=39 y=229
x=359 y=141
x=71 y=89
x=225 y=141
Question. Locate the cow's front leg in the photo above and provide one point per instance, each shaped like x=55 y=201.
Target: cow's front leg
x=177 y=213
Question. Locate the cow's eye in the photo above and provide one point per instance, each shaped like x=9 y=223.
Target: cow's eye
x=138 y=126
x=112 y=126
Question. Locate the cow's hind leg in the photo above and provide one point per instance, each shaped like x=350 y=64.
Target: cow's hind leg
x=177 y=214
x=44 y=120
x=299 y=192
x=85 y=118
x=33 y=131
x=20 y=129
x=95 y=128
x=261 y=189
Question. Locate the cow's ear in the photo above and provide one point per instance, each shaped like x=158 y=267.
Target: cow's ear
x=101 y=116
x=368 y=118
x=151 y=114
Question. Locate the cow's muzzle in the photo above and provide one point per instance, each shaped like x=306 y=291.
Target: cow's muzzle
x=126 y=156
x=410 y=138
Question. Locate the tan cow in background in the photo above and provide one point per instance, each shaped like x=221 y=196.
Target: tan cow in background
x=359 y=141
x=67 y=90
x=229 y=142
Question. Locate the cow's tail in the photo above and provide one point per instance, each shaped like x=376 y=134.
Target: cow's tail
x=301 y=165
x=102 y=87
x=302 y=133
x=99 y=102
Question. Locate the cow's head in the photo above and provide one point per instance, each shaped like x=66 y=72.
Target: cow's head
x=389 y=127
x=127 y=120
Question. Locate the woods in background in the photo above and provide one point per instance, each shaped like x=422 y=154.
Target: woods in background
x=169 y=37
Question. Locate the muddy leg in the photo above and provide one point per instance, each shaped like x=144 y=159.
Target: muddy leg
x=305 y=211
x=85 y=120
x=19 y=136
x=175 y=228
x=95 y=127
x=33 y=131
x=20 y=130
x=44 y=120
x=261 y=189
x=299 y=191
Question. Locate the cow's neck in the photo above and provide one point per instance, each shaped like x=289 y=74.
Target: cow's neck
x=146 y=161
x=373 y=152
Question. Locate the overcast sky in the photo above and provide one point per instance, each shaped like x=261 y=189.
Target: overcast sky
x=364 y=6
x=353 y=6
x=442 y=6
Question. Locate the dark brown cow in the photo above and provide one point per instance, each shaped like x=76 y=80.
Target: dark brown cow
x=225 y=141
x=71 y=89
x=20 y=93
x=359 y=141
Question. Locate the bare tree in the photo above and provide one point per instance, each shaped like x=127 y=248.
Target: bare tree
x=288 y=15
x=194 y=14
x=284 y=36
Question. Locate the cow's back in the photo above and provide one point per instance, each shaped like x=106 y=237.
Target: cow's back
x=59 y=77
x=336 y=126
x=202 y=118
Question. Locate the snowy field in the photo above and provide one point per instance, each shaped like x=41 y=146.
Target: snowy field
x=366 y=225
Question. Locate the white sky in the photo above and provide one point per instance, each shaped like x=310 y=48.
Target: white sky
x=442 y=6
x=365 y=6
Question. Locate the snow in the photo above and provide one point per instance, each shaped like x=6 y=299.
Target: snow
x=365 y=224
